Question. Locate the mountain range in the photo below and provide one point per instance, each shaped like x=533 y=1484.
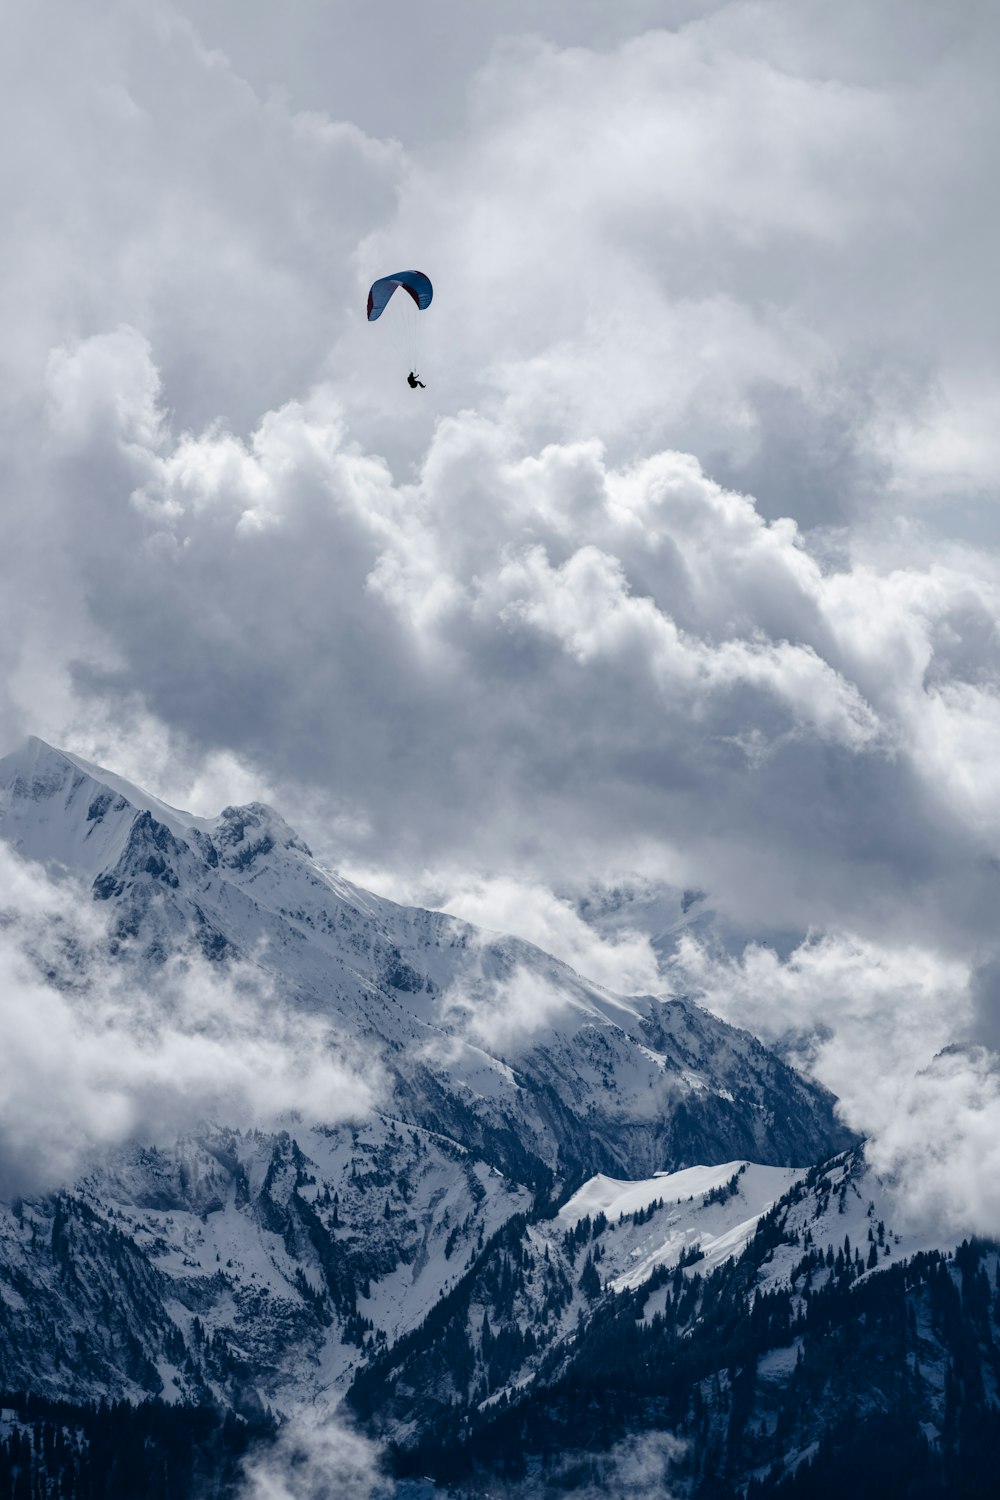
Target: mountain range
x=556 y=1223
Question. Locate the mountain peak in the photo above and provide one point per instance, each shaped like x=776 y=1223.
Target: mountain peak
x=33 y=759
x=65 y=811
x=41 y=767
x=253 y=829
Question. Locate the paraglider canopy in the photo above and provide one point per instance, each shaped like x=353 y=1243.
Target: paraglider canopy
x=414 y=282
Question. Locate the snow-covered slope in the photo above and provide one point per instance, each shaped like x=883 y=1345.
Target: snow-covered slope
x=703 y=1216
x=746 y=1309
x=563 y=1201
x=711 y=1210
x=577 y=1078
x=236 y=1264
x=611 y=1237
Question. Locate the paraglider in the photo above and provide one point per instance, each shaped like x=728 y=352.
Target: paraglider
x=415 y=282
x=418 y=287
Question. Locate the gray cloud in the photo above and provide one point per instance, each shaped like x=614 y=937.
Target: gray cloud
x=638 y=631
x=372 y=64
x=150 y=185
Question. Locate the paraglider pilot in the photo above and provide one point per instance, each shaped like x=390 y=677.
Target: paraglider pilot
x=417 y=286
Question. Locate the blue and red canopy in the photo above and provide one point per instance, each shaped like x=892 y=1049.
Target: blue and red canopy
x=415 y=282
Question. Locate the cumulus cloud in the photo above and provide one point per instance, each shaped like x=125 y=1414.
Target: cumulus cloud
x=152 y=186
x=361 y=63
x=506 y=1012
x=738 y=235
x=623 y=960
x=893 y=1033
x=938 y=1144
x=637 y=1466
x=96 y=1053
x=587 y=664
x=518 y=590
x=836 y=1002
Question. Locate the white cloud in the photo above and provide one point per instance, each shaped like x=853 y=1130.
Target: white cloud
x=316 y=1457
x=97 y=1052
x=840 y=997
x=939 y=1145
x=624 y=962
x=639 y=1468
x=109 y=381
x=720 y=236
x=878 y=1026
x=503 y=1008
x=560 y=611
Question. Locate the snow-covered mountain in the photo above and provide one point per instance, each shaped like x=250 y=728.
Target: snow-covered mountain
x=579 y=1080
x=554 y=1191
x=267 y=1266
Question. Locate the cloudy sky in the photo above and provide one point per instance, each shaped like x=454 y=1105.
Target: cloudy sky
x=682 y=571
